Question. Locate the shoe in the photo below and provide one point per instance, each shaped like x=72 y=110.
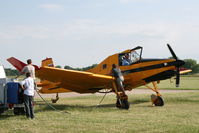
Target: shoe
x=28 y=118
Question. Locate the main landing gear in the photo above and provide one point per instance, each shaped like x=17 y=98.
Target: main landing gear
x=122 y=99
x=122 y=102
x=157 y=99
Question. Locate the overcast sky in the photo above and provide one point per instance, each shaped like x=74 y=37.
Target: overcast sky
x=80 y=33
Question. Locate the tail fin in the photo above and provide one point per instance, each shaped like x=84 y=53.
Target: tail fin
x=16 y=63
x=19 y=65
x=47 y=62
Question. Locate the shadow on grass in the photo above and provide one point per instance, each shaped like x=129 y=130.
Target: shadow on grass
x=64 y=107
x=5 y=116
x=139 y=101
x=133 y=102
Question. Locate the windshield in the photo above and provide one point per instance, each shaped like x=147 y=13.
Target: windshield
x=135 y=55
x=130 y=57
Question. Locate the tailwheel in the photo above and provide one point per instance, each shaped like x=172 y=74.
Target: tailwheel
x=122 y=102
x=56 y=99
x=157 y=100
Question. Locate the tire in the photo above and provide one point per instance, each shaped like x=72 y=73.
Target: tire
x=159 y=101
x=123 y=105
x=19 y=111
x=1 y=111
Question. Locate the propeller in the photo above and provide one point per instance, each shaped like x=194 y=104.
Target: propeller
x=178 y=64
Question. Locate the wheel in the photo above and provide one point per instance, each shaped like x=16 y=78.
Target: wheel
x=159 y=101
x=19 y=111
x=122 y=104
x=125 y=104
x=16 y=111
x=1 y=111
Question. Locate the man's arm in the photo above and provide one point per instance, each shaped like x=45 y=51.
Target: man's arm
x=23 y=85
x=24 y=70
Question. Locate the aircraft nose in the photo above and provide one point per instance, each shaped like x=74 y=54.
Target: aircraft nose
x=180 y=63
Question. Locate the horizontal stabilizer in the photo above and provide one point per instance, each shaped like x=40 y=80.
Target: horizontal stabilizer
x=16 y=63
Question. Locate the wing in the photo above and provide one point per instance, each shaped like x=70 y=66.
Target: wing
x=77 y=81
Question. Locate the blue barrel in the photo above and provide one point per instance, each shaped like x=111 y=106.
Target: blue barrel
x=13 y=92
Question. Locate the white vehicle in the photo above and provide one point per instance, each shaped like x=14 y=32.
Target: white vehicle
x=11 y=94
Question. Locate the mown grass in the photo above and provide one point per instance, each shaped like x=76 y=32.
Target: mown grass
x=180 y=114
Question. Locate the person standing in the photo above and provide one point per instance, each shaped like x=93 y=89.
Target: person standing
x=116 y=73
x=28 y=87
x=29 y=68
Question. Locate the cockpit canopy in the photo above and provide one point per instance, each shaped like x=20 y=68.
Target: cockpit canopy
x=130 y=56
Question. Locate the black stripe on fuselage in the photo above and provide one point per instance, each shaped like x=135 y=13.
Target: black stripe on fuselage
x=156 y=66
x=54 y=88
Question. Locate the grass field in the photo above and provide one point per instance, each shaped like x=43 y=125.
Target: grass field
x=179 y=115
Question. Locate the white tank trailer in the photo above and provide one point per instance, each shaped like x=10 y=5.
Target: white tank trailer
x=11 y=94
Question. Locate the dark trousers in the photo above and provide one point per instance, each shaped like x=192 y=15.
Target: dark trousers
x=28 y=102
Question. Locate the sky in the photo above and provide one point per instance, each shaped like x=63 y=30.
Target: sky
x=80 y=33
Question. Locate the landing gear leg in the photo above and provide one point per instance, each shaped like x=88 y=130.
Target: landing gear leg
x=122 y=99
x=157 y=99
x=56 y=99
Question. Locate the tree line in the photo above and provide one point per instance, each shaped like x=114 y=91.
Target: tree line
x=189 y=64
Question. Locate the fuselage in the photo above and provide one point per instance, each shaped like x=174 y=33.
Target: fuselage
x=140 y=72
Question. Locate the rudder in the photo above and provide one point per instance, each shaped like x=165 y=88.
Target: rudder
x=47 y=62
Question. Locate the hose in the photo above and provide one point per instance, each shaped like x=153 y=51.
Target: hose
x=51 y=105
x=102 y=98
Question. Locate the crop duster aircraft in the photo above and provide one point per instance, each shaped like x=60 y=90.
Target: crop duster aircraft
x=140 y=72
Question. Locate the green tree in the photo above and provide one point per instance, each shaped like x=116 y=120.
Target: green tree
x=192 y=64
x=81 y=69
x=58 y=66
x=11 y=72
x=68 y=67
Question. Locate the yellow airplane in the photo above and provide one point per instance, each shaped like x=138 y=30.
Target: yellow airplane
x=137 y=73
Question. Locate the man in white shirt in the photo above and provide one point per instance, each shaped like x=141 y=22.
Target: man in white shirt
x=29 y=68
x=28 y=87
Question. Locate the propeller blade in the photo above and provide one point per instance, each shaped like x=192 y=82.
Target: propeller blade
x=177 y=77
x=172 y=52
x=180 y=63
